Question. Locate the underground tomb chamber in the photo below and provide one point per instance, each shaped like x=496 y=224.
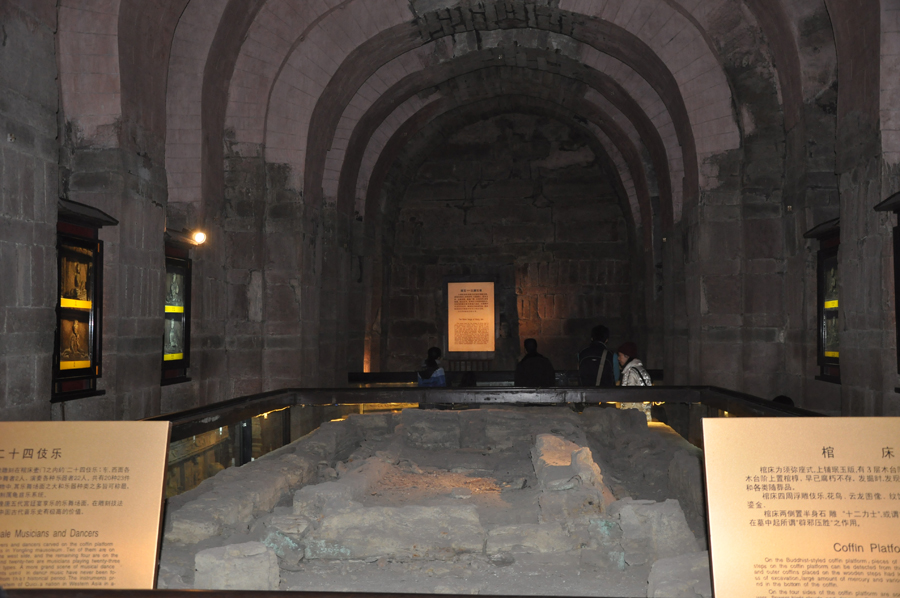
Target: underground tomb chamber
x=514 y=500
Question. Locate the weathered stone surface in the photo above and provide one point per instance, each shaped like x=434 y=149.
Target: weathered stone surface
x=210 y=515
x=652 y=531
x=685 y=576
x=331 y=441
x=290 y=525
x=284 y=536
x=373 y=425
x=529 y=538
x=431 y=429
x=562 y=465
x=405 y=532
x=686 y=484
x=575 y=504
x=617 y=428
x=311 y=500
x=248 y=566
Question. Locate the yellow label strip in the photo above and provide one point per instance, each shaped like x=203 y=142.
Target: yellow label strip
x=831 y=304
x=174 y=309
x=173 y=356
x=832 y=353
x=74 y=365
x=77 y=304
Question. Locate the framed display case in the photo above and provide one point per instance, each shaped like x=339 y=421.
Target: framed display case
x=77 y=353
x=177 y=312
x=827 y=300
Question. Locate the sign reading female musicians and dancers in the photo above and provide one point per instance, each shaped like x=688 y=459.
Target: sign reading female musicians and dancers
x=470 y=316
x=80 y=503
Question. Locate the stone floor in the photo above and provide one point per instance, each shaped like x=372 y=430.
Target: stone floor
x=528 y=500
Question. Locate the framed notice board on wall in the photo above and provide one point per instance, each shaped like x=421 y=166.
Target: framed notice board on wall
x=470 y=317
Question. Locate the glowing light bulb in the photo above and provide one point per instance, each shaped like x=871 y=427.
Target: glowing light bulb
x=199 y=237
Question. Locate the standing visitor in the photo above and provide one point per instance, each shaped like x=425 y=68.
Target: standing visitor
x=534 y=369
x=595 y=363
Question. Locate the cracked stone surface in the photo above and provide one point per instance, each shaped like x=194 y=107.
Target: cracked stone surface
x=497 y=501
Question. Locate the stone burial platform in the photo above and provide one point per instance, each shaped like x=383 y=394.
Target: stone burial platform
x=512 y=500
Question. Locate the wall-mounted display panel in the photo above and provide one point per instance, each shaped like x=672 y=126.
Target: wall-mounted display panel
x=177 y=328
x=828 y=280
x=470 y=317
x=77 y=355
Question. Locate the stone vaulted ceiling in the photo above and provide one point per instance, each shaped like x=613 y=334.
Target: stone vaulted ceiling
x=284 y=127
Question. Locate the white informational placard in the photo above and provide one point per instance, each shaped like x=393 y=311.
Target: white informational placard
x=80 y=503
x=470 y=316
x=803 y=507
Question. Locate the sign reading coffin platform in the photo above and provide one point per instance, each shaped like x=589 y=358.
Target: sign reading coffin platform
x=803 y=507
x=80 y=503
x=470 y=316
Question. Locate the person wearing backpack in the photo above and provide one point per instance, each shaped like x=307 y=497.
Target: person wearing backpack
x=590 y=372
x=633 y=372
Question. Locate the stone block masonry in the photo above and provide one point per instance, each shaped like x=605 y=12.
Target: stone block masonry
x=520 y=200
x=28 y=197
x=512 y=500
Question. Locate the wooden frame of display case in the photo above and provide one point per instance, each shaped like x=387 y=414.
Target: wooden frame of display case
x=77 y=347
x=828 y=356
x=176 y=358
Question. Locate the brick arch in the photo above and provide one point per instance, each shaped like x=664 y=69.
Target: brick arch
x=605 y=39
x=276 y=33
x=311 y=65
x=890 y=89
x=512 y=80
x=224 y=50
x=88 y=50
x=382 y=119
x=623 y=165
x=190 y=53
x=411 y=128
x=145 y=43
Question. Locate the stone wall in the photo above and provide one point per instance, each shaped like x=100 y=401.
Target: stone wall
x=28 y=192
x=520 y=200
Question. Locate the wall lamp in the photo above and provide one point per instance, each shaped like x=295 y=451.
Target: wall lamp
x=184 y=237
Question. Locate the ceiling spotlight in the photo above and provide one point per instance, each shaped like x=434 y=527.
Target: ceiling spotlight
x=199 y=237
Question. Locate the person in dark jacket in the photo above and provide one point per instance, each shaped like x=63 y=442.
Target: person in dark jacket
x=534 y=369
x=591 y=357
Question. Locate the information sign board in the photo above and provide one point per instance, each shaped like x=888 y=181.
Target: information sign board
x=470 y=316
x=803 y=507
x=80 y=503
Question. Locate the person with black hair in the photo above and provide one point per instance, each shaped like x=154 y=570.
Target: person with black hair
x=432 y=374
x=534 y=369
x=633 y=371
x=595 y=362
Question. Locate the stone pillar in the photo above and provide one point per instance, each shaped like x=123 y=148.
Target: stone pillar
x=28 y=194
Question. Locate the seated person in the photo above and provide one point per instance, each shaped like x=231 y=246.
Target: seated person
x=432 y=374
x=534 y=369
